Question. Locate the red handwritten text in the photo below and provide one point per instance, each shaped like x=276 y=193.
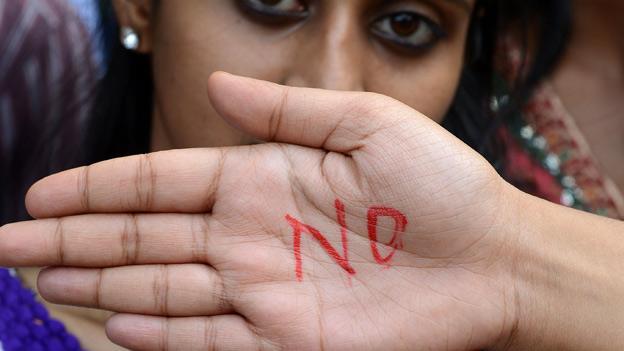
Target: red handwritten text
x=400 y=222
x=374 y=213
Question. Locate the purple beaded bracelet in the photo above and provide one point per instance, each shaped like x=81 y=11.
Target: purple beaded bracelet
x=25 y=324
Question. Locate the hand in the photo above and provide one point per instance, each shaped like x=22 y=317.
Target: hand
x=361 y=225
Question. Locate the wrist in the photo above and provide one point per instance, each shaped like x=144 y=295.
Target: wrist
x=510 y=225
x=566 y=270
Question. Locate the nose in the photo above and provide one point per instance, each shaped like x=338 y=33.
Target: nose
x=330 y=53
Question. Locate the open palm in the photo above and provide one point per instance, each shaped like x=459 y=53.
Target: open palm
x=360 y=225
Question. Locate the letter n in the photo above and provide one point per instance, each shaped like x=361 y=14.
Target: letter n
x=299 y=228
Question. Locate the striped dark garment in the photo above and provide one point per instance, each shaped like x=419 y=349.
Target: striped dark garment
x=47 y=76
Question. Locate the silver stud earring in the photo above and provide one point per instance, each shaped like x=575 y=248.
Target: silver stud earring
x=129 y=38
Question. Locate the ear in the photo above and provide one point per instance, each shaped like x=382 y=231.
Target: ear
x=139 y=16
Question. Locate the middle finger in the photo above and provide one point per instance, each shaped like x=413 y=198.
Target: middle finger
x=108 y=240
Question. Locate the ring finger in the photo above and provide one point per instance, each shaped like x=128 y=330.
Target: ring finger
x=160 y=290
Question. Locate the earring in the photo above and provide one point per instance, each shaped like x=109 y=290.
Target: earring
x=129 y=38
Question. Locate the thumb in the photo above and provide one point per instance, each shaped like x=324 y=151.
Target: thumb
x=332 y=120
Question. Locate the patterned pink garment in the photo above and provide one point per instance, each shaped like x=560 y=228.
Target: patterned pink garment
x=546 y=116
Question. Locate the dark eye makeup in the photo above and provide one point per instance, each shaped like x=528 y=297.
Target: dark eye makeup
x=275 y=11
x=409 y=30
x=405 y=30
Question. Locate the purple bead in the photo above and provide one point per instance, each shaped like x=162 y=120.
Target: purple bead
x=26 y=295
x=71 y=343
x=36 y=346
x=39 y=311
x=24 y=313
x=14 y=284
x=11 y=344
x=55 y=344
x=3 y=312
x=7 y=315
x=21 y=331
x=56 y=327
x=25 y=324
x=11 y=298
x=39 y=332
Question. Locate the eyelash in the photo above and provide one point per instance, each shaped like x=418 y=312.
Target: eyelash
x=267 y=14
x=380 y=27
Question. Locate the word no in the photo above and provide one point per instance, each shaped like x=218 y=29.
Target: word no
x=400 y=222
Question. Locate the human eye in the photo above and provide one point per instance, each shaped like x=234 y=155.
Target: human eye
x=276 y=10
x=408 y=30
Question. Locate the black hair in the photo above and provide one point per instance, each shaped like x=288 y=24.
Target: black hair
x=122 y=111
x=121 y=124
x=541 y=28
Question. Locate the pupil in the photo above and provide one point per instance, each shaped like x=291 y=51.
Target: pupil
x=404 y=24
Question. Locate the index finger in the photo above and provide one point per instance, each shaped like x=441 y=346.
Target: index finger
x=178 y=181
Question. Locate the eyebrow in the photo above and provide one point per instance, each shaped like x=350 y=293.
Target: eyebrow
x=464 y=4
x=461 y=4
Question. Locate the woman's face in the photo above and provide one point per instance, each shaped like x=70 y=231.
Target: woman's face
x=411 y=50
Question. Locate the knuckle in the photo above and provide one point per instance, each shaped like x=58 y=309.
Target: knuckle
x=277 y=115
x=160 y=290
x=200 y=236
x=165 y=331
x=210 y=335
x=130 y=240
x=216 y=289
x=98 y=288
x=59 y=234
x=144 y=181
x=84 y=188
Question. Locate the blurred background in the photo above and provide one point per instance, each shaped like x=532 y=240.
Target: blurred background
x=53 y=53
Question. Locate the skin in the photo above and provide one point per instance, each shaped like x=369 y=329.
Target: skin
x=231 y=256
x=504 y=316
x=331 y=48
x=206 y=261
